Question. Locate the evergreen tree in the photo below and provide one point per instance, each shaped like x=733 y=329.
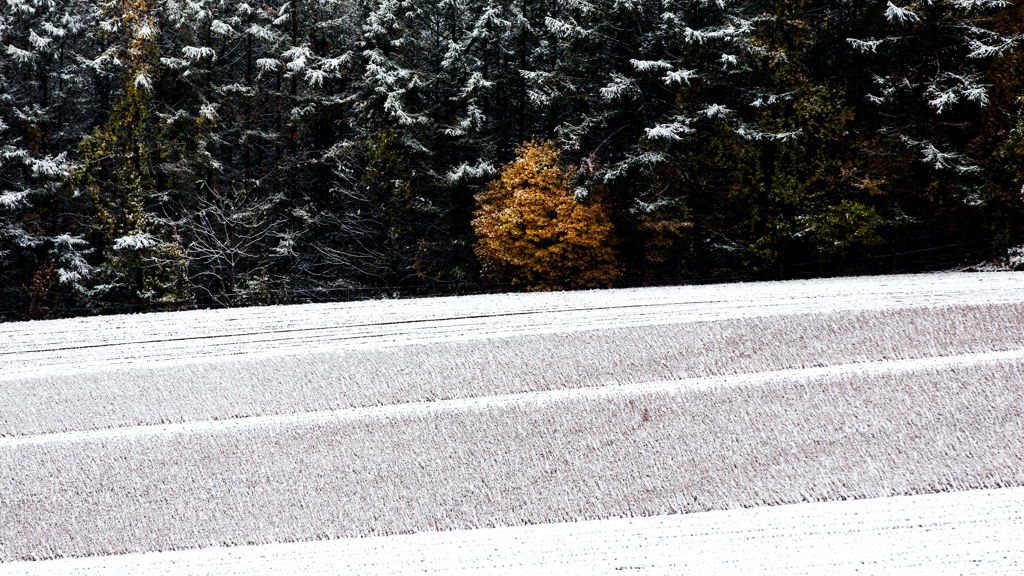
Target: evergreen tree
x=999 y=144
x=421 y=134
x=927 y=93
x=142 y=265
x=46 y=98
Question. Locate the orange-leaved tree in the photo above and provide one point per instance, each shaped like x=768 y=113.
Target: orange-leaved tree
x=532 y=231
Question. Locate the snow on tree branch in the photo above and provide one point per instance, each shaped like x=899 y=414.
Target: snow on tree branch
x=676 y=130
x=865 y=45
x=772 y=99
x=679 y=77
x=650 y=65
x=951 y=88
x=620 y=88
x=894 y=13
x=750 y=132
x=136 y=241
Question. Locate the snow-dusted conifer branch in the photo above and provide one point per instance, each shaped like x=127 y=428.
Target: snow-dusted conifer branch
x=950 y=88
x=870 y=45
x=677 y=130
x=940 y=160
x=901 y=15
x=754 y=133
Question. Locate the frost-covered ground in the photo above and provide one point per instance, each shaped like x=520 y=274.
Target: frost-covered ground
x=430 y=372
x=249 y=427
x=977 y=532
x=82 y=344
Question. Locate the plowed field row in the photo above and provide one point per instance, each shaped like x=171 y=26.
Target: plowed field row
x=83 y=344
x=976 y=532
x=347 y=421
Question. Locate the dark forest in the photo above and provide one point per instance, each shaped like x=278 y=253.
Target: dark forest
x=170 y=154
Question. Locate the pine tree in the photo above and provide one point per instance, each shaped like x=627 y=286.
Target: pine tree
x=999 y=145
x=142 y=263
x=419 y=137
x=45 y=108
x=926 y=95
x=226 y=224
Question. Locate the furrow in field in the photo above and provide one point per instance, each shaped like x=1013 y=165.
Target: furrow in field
x=975 y=532
x=348 y=379
x=523 y=399
x=344 y=379
x=641 y=453
x=89 y=344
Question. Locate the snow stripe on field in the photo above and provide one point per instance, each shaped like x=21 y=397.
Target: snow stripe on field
x=977 y=532
x=96 y=344
x=349 y=379
x=502 y=401
x=829 y=438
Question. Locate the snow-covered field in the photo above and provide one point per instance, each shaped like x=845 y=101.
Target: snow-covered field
x=82 y=344
x=297 y=424
x=974 y=532
x=429 y=372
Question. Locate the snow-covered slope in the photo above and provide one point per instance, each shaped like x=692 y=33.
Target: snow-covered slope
x=977 y=532
x=430 y=372
x=82 y=344
x=178 y=431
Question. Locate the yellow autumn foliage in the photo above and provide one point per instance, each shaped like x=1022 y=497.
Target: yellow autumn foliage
x=531 y=230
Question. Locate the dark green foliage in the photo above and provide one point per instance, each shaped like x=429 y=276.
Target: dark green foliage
x=166 y=153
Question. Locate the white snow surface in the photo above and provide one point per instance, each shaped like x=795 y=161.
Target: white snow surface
x=54 y=480
x=41 y=348
x=521 y=399
x=978 y=532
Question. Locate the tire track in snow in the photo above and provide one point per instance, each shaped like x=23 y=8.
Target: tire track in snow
x=521 y=399
x=30 y=349
x=326 y=330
